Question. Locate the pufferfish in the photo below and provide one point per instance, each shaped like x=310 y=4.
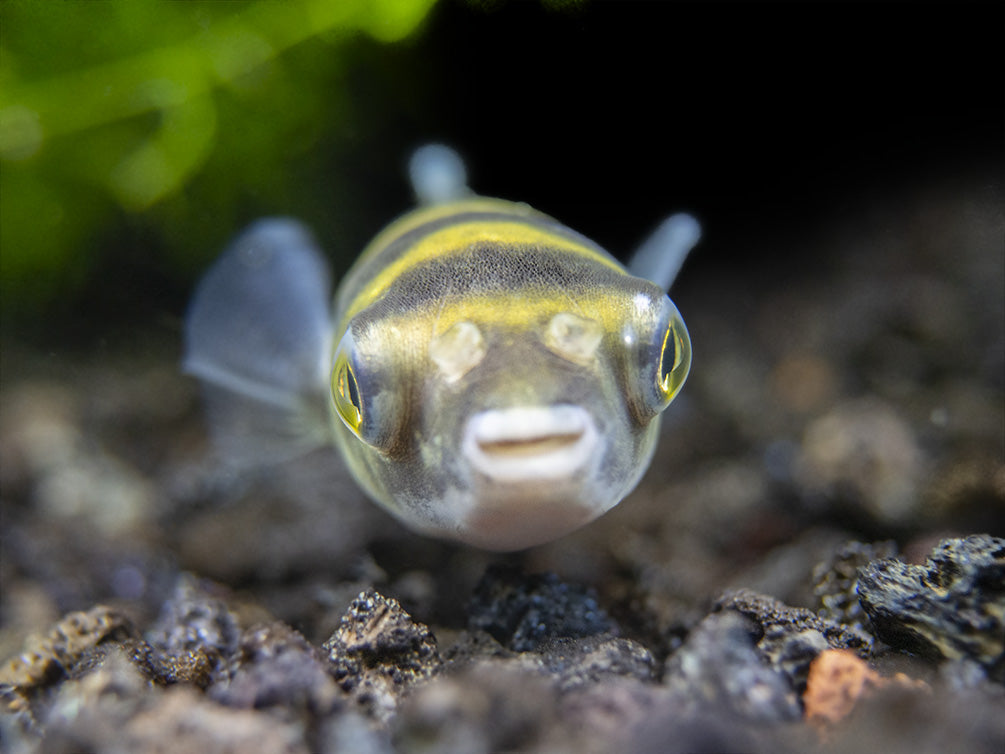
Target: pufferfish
x=487 y=374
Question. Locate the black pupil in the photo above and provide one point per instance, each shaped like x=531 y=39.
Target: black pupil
x=669 y=357
x=350 y=383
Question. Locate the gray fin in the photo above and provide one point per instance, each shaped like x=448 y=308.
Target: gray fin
x=437 y=174
x=662 y=254
x=258 y=335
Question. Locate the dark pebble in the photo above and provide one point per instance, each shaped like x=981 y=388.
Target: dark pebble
x=790 y=638
x=952 y=607
x=720 y=668
x=277 y=667
x=378 y=651
x=525 y=611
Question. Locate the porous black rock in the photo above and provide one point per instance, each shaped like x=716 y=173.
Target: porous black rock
x=836 y=577
x=788 y=637
x=582 y=663
x=195 y=619
x=720 y=668
x=378 y=651
x=51 y=657
x=276 y=666
x=524 y=611
x=952 y=607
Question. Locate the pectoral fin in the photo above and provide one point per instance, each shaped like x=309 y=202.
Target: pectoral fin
x=257 y=336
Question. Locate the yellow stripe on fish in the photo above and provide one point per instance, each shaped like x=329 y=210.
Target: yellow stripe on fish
x=488 y=374
x=439 y=233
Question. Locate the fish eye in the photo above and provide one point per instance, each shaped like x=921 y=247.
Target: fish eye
x=664 y=360
x=345 y=391
x=345 y=387
x=675 y=358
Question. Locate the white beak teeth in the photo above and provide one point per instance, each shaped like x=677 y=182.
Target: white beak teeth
x=550 y=443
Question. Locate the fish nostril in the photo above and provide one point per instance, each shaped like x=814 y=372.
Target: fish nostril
x=574 y=338
x=458 y=350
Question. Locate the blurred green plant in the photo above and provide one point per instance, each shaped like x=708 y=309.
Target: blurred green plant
x=110 y=110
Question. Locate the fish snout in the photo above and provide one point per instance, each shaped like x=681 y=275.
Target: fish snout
x=526 y=444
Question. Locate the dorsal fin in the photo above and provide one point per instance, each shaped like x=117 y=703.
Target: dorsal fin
x=438 y=175
x=662 y=254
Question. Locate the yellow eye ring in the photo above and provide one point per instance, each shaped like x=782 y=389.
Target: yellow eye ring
x=345 y=392
x=675 y=359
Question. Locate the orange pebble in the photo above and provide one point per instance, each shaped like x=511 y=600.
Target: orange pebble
x=837 y=679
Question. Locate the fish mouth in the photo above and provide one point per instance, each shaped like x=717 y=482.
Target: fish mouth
x=527 y=444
